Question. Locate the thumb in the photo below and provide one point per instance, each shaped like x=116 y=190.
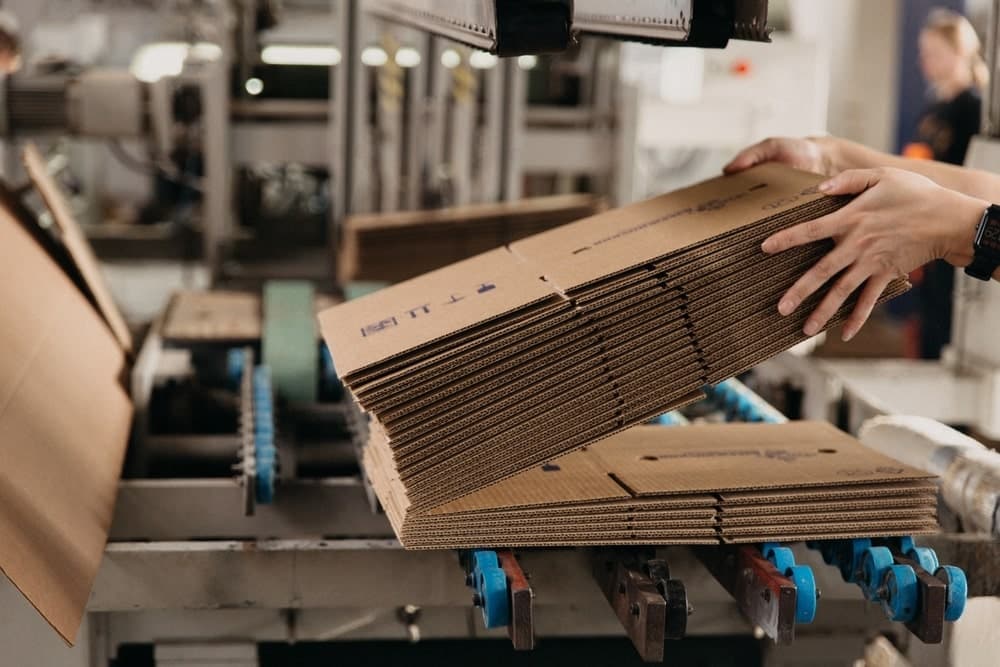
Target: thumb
x=851 y=182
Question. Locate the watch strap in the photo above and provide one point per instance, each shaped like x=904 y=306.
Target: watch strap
x=982 y=267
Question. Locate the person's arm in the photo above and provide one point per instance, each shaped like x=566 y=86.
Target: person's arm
x=846 y=155
x=832 y=155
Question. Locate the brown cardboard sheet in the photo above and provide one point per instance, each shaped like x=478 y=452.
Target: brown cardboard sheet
x=927 y=502
x=746 y=456
x=219 y=315
x=387 y=324
x=398 y=246
x=888 y=491
x=579 y=513
x=867 y=516
x=64 y=426
x=767 y=531
x=845 y=534
x=490 y=334
x=76 y=244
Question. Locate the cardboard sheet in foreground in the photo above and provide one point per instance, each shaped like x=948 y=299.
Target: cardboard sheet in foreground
x=658 y=485
x=64 y=421
x=503 y=361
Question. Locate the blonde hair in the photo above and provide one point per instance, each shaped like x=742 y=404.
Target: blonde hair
x=959 y=33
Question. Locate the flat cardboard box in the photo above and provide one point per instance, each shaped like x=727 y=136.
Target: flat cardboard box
x=65 y=415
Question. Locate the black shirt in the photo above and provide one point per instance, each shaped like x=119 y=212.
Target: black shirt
x=947 y=127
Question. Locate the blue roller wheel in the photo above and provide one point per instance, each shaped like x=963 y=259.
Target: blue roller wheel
x=783 y=559
x=805 y=595
x=958 y=591
x=900 y=598
x=235 y=360
x=874 y=565
x=492 y=589
x=926 y=558
x=483 y=560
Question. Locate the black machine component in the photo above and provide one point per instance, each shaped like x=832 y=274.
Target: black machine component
x=502 y=27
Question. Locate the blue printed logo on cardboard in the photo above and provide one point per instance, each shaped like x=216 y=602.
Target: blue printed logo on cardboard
x=422 y=310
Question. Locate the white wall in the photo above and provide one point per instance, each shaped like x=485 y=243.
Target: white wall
x=862 y=39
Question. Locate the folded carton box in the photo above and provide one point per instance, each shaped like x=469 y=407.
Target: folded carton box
x=65 y=411
x=505 y=360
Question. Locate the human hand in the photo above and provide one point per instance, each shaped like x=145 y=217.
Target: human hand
x=811 y=154
x=899 y=221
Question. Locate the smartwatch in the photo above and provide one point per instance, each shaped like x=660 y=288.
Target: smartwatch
x=986 y=256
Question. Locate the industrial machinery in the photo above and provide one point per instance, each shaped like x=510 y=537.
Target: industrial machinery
x=243 y=514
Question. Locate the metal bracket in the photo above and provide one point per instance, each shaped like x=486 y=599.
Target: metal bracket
x=764 y=595
x=651 y=606
x=503 y=593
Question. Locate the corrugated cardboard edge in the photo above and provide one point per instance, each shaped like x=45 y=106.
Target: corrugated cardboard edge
x=76 y=243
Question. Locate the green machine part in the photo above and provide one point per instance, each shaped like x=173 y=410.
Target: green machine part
x=289 y=342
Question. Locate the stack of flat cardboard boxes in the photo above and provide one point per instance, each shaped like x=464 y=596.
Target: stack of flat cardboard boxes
x=702 y=484
x=393 y=247
x=496 y=364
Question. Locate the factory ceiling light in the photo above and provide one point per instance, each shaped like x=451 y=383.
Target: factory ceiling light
x=374 y=56
x=286 y=54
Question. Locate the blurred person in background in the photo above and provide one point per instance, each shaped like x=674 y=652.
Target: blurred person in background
x=10 y=44
x=952 y=64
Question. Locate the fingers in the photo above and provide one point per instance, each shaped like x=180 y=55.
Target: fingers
x=834 y=299
x=760 y=152
x=851 y=182
x=814 y=230
x=866 y=303
x=833 y=263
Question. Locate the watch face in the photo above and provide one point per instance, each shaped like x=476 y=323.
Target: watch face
x=989 y=237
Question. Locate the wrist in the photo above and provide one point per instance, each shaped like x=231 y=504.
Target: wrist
x=960 y=236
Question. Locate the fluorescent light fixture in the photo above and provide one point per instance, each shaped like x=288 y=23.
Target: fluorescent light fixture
x=483 y=60
x=286 y=54
x=527 y=62
x=154 y=61
x=205 y=52
x=451 y=58
x=374 y=56
x=408 y=57
x=254 y=86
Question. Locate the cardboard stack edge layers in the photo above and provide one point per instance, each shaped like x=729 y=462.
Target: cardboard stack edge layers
x=397 y=246
x=480 y=370
x=703 y=484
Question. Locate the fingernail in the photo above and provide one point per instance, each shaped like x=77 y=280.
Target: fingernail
x=825 y=186
x=847 y=335
x=767 y=245
x=786 y=306
x=811 y=329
